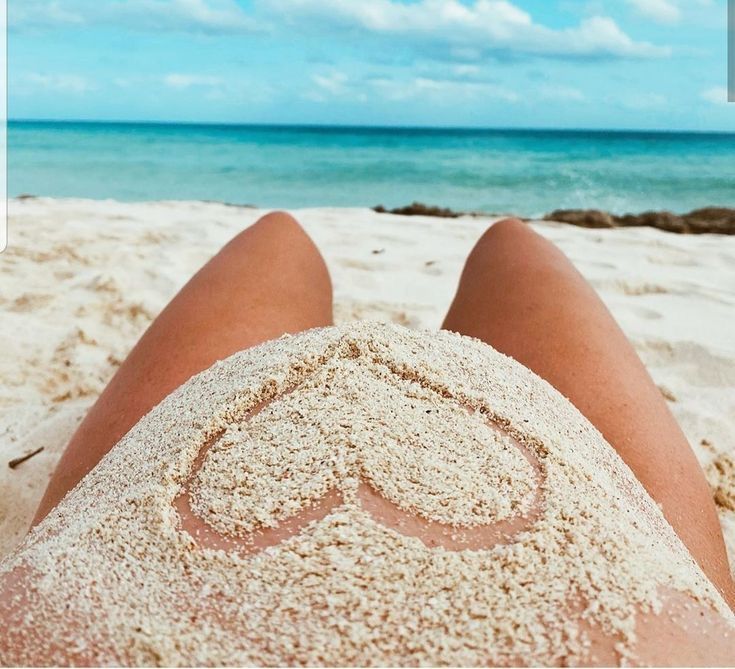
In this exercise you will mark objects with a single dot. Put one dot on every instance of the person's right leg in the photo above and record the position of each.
(521, 295)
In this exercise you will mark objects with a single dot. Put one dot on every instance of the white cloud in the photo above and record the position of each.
(642, 101)
(437, 90)
(182, 81)
(559, 92)
(63, 83)
(661, 11)
(463, 31)
(334, 83)
(42, 12)
(449, 29)
(441, 91)
(465, 70)
(202, 16)
(601, 36)
(717, 95)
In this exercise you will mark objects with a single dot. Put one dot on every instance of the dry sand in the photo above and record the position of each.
(82, 280)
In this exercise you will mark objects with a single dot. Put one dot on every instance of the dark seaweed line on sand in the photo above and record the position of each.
(713, 220)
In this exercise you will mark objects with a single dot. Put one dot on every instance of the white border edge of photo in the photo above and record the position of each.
(4, 124)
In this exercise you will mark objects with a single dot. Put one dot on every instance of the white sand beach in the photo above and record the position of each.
(82, 279)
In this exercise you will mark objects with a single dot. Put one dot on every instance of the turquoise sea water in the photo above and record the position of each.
(528, 172)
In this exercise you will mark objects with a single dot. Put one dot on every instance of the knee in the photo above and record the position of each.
(507, 229)
(276, 240)
(283, 241)
(516, 246)
(280, 223)
(276, 231)
(508, 234)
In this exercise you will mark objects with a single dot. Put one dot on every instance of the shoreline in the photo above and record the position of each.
(84, 278)
(711, 219)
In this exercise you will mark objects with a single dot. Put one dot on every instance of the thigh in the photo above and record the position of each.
(521, 295)
(267, 281)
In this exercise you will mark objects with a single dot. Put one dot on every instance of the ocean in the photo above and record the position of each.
(526, 172)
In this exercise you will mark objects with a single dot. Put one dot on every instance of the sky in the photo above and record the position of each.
(638, 64)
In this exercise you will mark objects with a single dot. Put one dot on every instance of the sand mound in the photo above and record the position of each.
(356, 495)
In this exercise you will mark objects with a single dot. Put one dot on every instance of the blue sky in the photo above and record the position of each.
(658, 64)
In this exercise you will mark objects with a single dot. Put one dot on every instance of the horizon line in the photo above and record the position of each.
(348, 126)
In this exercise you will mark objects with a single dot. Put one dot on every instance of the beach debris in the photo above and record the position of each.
(721, 477)
(420, 209)
(19, 461)
(716, 220)
(712, 220)
(236, 205)
(666, 392)
(706, 443)
(584, 218)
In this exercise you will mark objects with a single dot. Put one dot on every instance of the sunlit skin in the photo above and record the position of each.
(519, 294)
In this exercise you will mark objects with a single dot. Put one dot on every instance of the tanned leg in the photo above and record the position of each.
(521, 295)
(267, 281)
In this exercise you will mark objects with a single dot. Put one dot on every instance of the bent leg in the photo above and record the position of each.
(521, 295)
(267, 281)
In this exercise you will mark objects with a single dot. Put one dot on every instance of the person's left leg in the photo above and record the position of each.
(267, 281)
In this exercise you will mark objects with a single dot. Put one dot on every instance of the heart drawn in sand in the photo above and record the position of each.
(418, 463)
